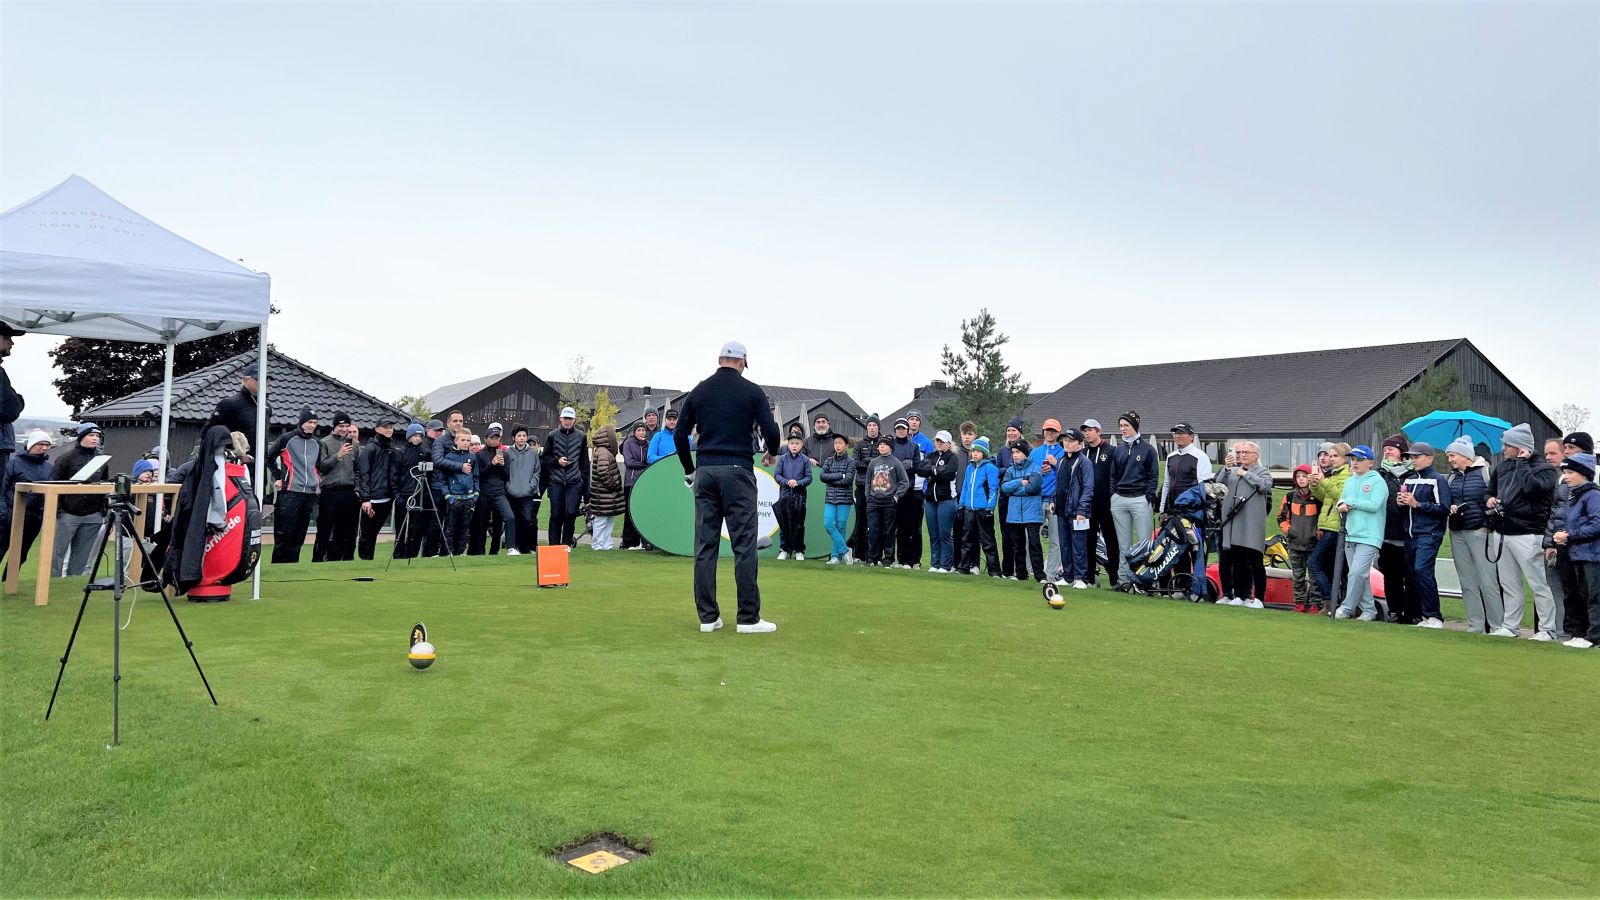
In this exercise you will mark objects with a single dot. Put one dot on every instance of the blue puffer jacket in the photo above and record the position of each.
(1074, 492)
(1468, 492)
(795, 467)
(839, 474)
(661, 446)
(456, 483)
(1024, 505)
(1583, 523)
(23, 467)
(1432, 492)
(980, 485)
(1053, 452)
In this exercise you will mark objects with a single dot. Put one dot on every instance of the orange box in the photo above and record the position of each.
(553, 562)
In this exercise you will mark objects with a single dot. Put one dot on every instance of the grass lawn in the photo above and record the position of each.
(902, 734)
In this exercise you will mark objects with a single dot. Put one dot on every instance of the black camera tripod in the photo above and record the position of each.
(118, 523)
(421, 497)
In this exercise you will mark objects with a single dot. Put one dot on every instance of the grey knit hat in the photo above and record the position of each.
(1462, 446)
(1519, 436)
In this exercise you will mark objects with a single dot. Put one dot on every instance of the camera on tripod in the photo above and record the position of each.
(122, 490)
(425, 466)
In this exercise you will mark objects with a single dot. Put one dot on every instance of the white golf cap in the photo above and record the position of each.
(569, 413)
(496, 428)
(1092, 423)
(37, 436)
(734, 350)
(942, 436)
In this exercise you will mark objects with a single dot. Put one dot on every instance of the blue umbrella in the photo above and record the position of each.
(1440, 427)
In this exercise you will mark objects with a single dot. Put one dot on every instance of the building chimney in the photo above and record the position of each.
(939, 385)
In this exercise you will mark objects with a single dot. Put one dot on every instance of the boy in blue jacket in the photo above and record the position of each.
(793, 473)
(1425, 499)
(1024, 515)
(460, 491)
(1581, 537)
(980, 489)
(1074, 506)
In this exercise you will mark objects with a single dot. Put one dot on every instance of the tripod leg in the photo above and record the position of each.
(189, 645)
(116, 631)
(445, 535)
(87, 589)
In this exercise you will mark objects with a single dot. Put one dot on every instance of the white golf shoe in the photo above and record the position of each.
(711, 626)
(762, 626)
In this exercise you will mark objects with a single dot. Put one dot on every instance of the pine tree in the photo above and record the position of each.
(1437, 388)
(986, 390)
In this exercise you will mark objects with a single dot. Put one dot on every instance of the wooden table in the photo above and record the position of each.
(52, 492)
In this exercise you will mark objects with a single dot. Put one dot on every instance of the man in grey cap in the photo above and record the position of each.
(723, 410)
(11, 402)
(238, 411)
(1520, 492)
(1425, 498)
(1100, 455)
(565, 471)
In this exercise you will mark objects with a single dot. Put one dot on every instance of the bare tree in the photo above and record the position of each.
(1570, 417)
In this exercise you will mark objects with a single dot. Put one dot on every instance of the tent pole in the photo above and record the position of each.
(165, 454)
(261, 445)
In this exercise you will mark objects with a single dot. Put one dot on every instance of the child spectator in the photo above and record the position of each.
(29, 466)
(1024, 515)
(839, 474)
(1074, 508)
(887, 483)
(793, 473)
(1364, 501)
(980, 490)
(1582, 538)
(635, 450)
(522, 489)
(939, 469)
(606, 498)
(460, 492)
(1297, 520)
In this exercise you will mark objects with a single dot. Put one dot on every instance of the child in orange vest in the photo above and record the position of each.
(1297, 519)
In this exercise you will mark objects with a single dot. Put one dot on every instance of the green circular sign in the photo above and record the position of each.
(663, 510)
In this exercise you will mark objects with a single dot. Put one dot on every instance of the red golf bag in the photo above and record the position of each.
(230, 553)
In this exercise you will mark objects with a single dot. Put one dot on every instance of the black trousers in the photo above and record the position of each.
(1586, 575)
(791, 513)
(433, 538)
(858, 535)
(977, 530)
(411, 525)
(725, 493)
(371, 525)
(1243, 573)
(1023, 547)
(1575, 611)
(489, 518)
(908, 529)
(525, 511)
(1397, 583)
(881, 524)
(1100, 527)
(291, 516)
(564, 513)
(338, 512)
(32, 524)
(458, 524)
(630, 534)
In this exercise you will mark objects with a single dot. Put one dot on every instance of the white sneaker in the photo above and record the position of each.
(1224, 601)
(1236, 601)
(1503, 631)
(833, 560)
(513, 552)
(708, 627)
(1012, 578)
(1342, 613)
(760, 627)
(799, 557)
(906, 567)
(1369, 617)
(1578, 643)
(1542, 636)
(782, 555)
(849, 557)
(1079, 585)
(568, 546)
(1430, 622)
(1253, 603)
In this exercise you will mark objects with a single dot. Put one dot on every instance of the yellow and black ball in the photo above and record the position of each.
(422, 655)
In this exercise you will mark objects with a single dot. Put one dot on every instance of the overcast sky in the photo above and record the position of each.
(444, 190)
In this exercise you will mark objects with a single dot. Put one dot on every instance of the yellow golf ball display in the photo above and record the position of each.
(422, 655)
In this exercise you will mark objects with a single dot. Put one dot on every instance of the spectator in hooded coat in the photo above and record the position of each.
(635, 452)
(606, 498)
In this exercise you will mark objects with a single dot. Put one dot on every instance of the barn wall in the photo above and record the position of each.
(1488, 392)
(518, 399)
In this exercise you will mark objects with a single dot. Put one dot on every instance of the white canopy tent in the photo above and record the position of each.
(75, 262)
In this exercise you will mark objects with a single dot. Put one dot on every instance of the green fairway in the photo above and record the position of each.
(901, 734)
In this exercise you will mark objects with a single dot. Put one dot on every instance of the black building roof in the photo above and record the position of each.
(1319, 392)
(291, 386)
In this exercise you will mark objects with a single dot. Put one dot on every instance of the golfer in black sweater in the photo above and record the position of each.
(723, 410)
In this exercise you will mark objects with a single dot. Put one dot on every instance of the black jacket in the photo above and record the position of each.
(1394, 523)
(491, 478)
(1526, 488)
(407, 458)
(910, 456)
(574, 445)
(865, 450)
(723, 408)
(11, 405)
(941, 469)
(66, 466)
(1133, 470)
(378, 470)
(1102, 458)
(237, 413)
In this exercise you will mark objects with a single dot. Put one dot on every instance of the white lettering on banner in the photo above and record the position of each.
(231, 524)
(766, 496)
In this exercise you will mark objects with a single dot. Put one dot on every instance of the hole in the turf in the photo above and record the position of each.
(603, 850)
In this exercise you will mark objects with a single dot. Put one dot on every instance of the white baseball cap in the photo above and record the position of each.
(734, 350)
(569, 413)
(496, 428)
(942, 436)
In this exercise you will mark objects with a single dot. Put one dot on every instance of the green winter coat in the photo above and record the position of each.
(1327, 491)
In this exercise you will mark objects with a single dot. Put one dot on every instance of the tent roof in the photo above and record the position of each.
(75, 262)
